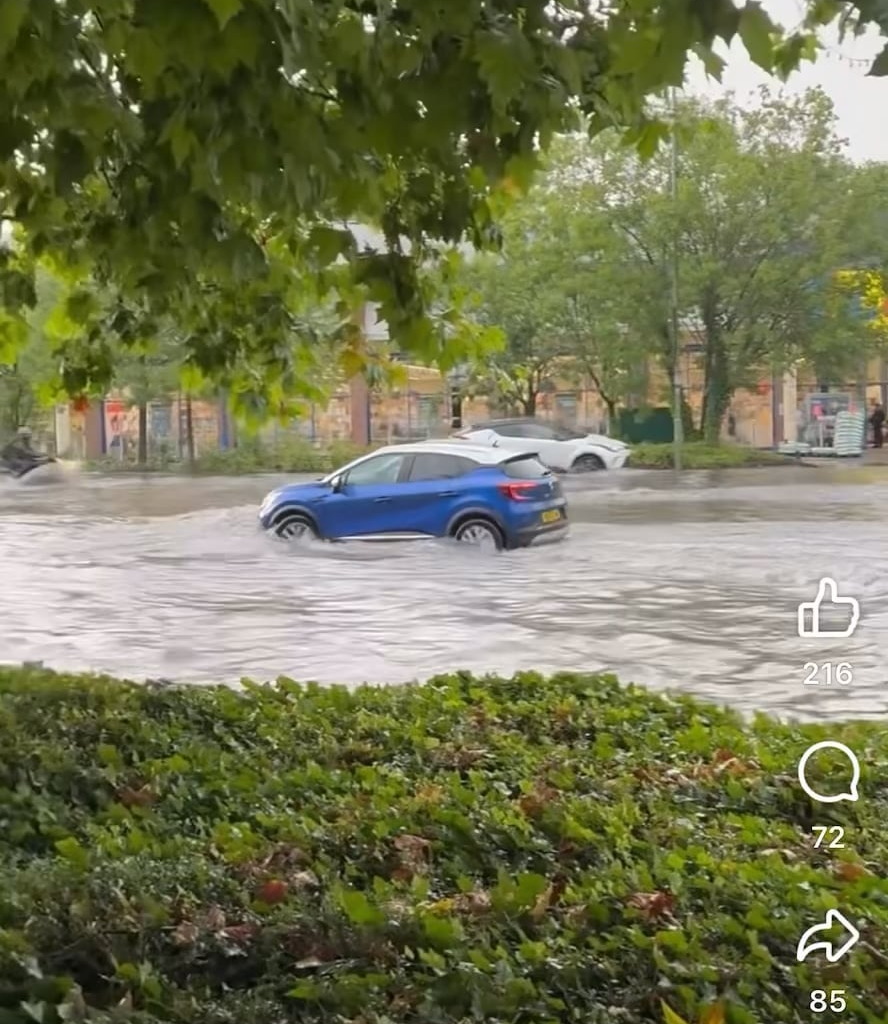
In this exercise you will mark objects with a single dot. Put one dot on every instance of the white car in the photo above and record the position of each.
(562, 449)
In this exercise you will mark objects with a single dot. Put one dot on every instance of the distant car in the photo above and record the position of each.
(563, 449)
(476, 494)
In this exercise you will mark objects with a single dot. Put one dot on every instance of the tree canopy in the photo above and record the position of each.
(203, 158)
(774, 265)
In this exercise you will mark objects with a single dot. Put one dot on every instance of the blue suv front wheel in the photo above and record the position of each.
(293, 525)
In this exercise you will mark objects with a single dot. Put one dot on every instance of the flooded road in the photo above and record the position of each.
(692, 587)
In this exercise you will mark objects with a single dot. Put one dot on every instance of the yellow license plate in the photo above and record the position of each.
(552, 516)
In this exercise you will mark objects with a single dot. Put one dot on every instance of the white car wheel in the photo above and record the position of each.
(587, 464)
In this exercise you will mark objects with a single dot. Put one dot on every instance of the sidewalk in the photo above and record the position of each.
(876, 456)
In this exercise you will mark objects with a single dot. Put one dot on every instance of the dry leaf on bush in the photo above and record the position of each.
(653, 905)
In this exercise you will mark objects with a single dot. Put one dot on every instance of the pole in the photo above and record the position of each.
(677, 426)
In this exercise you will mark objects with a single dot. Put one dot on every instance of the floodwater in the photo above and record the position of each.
(690, 585)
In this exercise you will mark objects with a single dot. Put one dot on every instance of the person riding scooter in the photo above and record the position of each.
(19, 455)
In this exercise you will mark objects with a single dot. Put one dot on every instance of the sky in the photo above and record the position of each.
(840, 70)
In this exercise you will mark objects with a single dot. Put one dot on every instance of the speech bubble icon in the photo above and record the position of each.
(851, 794)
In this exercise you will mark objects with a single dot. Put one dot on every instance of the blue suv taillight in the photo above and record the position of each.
(519, 490)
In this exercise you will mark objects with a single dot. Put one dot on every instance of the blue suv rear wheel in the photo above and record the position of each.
(481, 532)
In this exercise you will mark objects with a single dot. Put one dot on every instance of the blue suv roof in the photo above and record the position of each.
(486, 455)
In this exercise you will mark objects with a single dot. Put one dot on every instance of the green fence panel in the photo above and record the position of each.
(638, 426)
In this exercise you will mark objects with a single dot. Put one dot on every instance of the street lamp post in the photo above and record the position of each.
(677, 427)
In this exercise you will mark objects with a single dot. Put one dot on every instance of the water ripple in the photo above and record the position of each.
(693, 589)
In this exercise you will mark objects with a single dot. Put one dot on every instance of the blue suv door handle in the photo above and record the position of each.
(379, 501)
(446, 494)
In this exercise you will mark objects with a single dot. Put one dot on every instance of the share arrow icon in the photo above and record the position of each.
(833, 951)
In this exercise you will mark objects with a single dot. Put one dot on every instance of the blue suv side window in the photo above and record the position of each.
(382, 469)
(440, 467)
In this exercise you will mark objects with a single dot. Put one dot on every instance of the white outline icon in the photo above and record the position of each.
(851, 793)
(827, 583)
(833, 954)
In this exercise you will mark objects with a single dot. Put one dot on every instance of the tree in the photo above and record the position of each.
(558, 310)
(204, 156)
(150, 371)
(854, 296)
(27, 377)
(512, 292)
(755, 227)
(599, 311)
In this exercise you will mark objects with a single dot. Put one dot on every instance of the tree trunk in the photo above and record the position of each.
(189, 430)
(456, 404)
(609, 403)
(143, 434)
(717, 388)
(690, 430)
(611, 406)
(529, 401)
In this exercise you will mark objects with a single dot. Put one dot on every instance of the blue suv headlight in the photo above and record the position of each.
(267, 502)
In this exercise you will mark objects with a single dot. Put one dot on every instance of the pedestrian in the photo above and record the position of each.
(877, 422)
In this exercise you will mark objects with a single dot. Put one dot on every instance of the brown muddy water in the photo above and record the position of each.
(689, 585)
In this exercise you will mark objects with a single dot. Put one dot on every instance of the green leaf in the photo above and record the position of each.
(503, 64)
(71, 850)
(59, 326)
(180, 137)
(308, 990)
(636, 50)
(712, 62)
(757, 32)
(670, 1016)
(13, 335)
(109, 755)
(529, 888)
(12, 16)
(349, 36)
(145, 56)
(441, 931)
(224, 10)
(358, 909)
(81, 304)
(327, 244)
(653, 133)
(72, 162)
(879, 67)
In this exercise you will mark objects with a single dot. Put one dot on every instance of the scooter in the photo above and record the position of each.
(39, 467)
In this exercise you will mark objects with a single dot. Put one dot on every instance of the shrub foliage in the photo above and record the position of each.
(531, 849)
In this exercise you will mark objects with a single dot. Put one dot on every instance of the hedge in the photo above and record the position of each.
(294, 455)
(298, 455)
(544, 850)
(697, 455)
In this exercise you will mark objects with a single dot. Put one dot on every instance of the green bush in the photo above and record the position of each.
(472, 849)
(294, 455)
(299, 455)
(290, 456)
(698, 455)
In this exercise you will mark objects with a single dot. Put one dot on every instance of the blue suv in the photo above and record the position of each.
(476, 494)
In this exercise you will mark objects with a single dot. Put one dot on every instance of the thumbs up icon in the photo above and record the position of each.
(828, 598)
